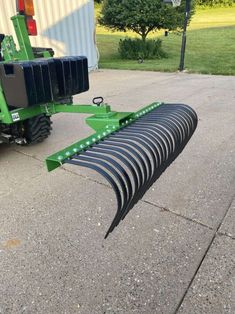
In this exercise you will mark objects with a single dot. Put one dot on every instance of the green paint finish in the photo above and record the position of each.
(71, 108)
(98, 122)
(57, 159)
(10, 53)
(5, 115)
(22, 114)
(9, 48)
(26, 51)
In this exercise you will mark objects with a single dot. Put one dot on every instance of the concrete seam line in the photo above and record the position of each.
(179, 215)
(204, 256)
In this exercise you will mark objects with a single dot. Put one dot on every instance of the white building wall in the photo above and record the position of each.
(67, 26)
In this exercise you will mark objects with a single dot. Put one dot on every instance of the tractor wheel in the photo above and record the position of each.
(38, 52)
(37, 129)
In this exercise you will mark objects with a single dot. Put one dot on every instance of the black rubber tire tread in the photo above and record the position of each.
(38, 52)
(37, 129)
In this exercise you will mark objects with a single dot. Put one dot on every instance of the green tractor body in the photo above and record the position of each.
(131, 150)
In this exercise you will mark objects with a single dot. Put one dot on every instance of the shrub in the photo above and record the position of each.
(212, 3)
(138, 49)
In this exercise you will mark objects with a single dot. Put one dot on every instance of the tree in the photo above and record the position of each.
(141, 16)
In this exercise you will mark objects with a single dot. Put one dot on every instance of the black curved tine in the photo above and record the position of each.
(165, 132)
(160, 140)
(162, 168)
(185, 115)
(185, 108)
(132, 190)
(90, 152)
(152, 169)
(115, 165)
(110, 169)
(116, 153)
(185, 125)
(143, 157)
(185, 111)
(154, 137)
(183, 118)
(192, 114)
(145, 132)
(191, 111)
(141, 132)
(165, 128)
(165, 165)
(130, 195)
(142, 141)
(128, 145)
(105, 175)
(121, 148)
(159, 119)
(138, 157)
(158, 130)
(178, 125)
(184, 121)
(117, 218)
(150, 140)
(174, 131)
(134, 198)
(150, 147)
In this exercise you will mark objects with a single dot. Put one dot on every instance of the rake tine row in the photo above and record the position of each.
(132, 158)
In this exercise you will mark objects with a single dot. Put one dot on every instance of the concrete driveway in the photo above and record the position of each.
(174, 252)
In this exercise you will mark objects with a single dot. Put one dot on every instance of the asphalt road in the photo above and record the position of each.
(174, 252)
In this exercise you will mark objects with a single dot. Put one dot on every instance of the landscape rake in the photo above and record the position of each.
(133, 157)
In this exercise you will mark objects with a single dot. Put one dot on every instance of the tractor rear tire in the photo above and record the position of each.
(38, 52)
(37, 129)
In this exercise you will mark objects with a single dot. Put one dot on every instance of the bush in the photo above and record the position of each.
(138, 49)
(212, 3)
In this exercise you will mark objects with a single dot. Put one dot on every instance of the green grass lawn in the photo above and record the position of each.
(210, 46)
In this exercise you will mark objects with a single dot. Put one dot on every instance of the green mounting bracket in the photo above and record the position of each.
(49, 109)
(117, 122)
(25, 52)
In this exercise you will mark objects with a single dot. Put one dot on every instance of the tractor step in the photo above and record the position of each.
(132, 159)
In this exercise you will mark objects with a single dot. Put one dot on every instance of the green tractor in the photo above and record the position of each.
(130, 150)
